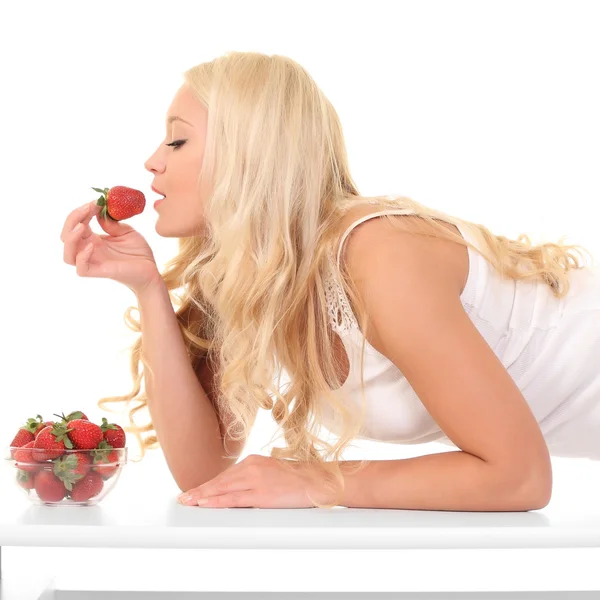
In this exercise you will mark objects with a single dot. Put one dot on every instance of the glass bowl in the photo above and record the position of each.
(65, 477)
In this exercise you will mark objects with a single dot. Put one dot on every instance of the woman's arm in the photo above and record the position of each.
(417, 320)
(453, 480)
(184, 419)
(207, 377)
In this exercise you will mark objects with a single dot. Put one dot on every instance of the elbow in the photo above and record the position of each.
(540, 498)
(187, 484)
(533, 491)
(184, 484)
(536, 502)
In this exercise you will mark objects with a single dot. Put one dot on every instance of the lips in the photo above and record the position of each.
(157, 191)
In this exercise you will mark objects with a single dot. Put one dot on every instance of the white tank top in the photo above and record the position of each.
(549, 346)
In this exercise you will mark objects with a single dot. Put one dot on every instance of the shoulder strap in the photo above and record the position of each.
(391, 211)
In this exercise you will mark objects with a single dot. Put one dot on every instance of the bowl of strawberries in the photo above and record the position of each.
(70, 461)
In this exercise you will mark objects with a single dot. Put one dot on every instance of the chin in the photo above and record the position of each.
(172, 233)
(164, 231)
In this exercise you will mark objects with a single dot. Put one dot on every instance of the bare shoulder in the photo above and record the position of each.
(450, 260)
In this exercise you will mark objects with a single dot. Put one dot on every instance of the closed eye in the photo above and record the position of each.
(176, 144)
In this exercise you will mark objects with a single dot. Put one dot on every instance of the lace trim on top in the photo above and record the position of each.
(341, 317)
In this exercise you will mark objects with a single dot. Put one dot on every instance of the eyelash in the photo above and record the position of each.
(176, 144)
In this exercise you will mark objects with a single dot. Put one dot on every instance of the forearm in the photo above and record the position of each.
(453, 481)
(183, 416)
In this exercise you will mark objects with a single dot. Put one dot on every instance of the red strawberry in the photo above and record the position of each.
(25, 479)
(89, 486)
(43, 426)
(48, 486)
(113, 433)
(52, 441)
(24, 458)
(85, 435)
(120, 202)
(22, 438)
(72, 416)
(28, 432)
(71, 467)
(105, 460)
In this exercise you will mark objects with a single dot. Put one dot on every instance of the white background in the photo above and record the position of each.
(487, 110)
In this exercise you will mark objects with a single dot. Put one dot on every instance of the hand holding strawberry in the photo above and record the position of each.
(123, 255)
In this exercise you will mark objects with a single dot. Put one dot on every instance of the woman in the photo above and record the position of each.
(410, 328)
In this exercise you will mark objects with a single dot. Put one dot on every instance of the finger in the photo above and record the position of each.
(224, 486)
(82, 214)
(82, 262)
(240, 499)
(227, 481)
(93, 210)
(248, 469)
(71, 243)
(112, 227)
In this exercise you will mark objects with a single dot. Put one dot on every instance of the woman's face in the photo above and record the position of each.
(176, 168)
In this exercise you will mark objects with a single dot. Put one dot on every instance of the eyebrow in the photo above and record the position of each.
(176, 118)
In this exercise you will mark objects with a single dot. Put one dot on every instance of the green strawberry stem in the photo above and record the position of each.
(106, 425)
(102, 452)
(64, 469)
(60, 431)
(22, 476)
(32, 424)
(103, 202)
(70, 417)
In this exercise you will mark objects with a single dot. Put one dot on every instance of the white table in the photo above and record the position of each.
(123, 521)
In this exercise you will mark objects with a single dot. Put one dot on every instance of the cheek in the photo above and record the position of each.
(194, 165)
(186, 178)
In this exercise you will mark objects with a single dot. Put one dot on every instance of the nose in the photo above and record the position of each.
(148, 165)
(154, 164)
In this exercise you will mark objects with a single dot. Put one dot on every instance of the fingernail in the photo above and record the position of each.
(77, 227)
(184, 498)
(201, 501)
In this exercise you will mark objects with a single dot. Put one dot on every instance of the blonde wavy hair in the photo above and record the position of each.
(253, 284)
